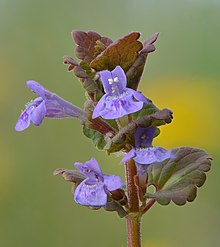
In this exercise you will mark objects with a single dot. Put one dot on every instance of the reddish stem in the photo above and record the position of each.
(134, 232)
(133, 219)
(131, 171)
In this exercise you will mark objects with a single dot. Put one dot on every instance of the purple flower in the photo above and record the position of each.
(94, 189)
(144, 153)
(118, 100)
(47, 105)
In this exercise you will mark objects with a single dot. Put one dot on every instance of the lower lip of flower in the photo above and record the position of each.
(146, 149)
(119, 96)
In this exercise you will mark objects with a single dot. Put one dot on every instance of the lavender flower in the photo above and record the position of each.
(118, 100)
(94, 189)
(144, 153)
(47, 105)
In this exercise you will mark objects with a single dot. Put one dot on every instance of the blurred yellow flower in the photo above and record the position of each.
(195, 106)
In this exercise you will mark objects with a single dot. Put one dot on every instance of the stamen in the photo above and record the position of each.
(110, 81)
(116, 79)
(114, 88)
(143, 136)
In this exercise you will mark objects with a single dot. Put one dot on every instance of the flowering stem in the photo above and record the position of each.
(134, 233)
(133, 219)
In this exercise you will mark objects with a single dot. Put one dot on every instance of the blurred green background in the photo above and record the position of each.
(37, 209)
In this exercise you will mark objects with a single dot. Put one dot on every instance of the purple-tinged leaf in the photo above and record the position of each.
(73, 176)
(177, 179)
(149, 44)
(135, 71)
(74, 67)
(88, 83)
(89, 44)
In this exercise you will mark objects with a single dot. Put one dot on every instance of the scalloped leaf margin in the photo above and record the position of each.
(177, 179)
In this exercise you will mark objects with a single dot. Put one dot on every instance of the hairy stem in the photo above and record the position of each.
(134, 232)
(133, 219)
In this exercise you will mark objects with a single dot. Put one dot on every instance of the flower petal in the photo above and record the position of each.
(90, 168)
(114, 82)
(23, 121)
(90, 194)
(128, 156)
(38, 114)
(163, 154)
(36, 88)
(93, 165)
(105, 76)
(119, 73)
(26, 116)
(99, 107)
(151, 155)
(138, 96)
(113, 182)
(119, 107)
(118, 100)
(56, 107)
(144, 137)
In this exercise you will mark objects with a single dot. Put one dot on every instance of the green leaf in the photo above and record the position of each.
(112, 206)
(122, 52)
(147, 109)
(97, 138)
(177, 179)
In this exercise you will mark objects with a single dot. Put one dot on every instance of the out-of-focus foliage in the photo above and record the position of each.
(183, 74)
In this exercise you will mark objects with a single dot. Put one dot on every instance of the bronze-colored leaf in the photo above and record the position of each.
(122, 52)
(89, 44)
